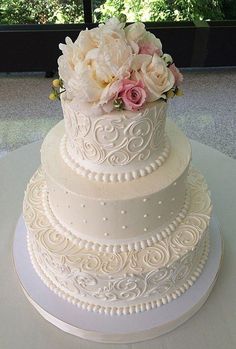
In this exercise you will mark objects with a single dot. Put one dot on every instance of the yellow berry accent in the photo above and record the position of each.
(52, 96)
(56, 83)
(170, 94)
(179, 92)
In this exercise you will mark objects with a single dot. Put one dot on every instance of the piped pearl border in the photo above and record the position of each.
(115, 248)
(128, 310)
(113, 177)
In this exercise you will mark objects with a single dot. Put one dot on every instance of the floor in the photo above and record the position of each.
(206, 112)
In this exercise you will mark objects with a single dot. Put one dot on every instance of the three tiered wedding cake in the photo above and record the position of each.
(117, 219)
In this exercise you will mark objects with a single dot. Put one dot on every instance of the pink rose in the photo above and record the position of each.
(132, 94)
(149, 49)
(177, 75)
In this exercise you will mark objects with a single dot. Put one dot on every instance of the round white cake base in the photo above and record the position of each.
(115, 329)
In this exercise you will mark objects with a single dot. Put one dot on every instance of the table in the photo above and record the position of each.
(212, 327)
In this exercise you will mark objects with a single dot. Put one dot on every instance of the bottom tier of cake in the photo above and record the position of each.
(123, 282)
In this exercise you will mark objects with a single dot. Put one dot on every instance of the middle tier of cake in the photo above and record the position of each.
(116, 216)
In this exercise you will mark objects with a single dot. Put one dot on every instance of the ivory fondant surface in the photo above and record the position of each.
(117, 146)
(123, 282)
(117, 213)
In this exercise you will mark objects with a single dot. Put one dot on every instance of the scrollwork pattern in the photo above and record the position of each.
(118, 157)
(117, 140)
(71, 123)
(156, 283)
(107, 132)
(83, 125)
(158, 133)
(155, 257)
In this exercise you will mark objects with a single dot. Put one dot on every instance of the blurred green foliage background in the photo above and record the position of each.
(71, 11)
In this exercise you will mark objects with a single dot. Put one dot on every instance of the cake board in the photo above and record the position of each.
(115, 329)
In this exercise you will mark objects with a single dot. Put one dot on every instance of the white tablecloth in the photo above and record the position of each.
(214, 326)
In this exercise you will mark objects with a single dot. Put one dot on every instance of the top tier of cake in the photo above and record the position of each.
(118, 146)
(114, 83)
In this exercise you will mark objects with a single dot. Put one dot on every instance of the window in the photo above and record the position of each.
(197, 33)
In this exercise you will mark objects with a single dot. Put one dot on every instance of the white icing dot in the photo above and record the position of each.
(159, 217)
(124, 226)
(103, 203)
(123, 212)
(145, 229)
(173, 199)
(160, 202)
(82, 205)
(84, 221)
(145, 200)
(145, 215)
(106, 234)
(172, 213)
(174, 183)
(104, 218)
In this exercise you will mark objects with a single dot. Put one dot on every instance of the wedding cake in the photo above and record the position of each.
(117, 219)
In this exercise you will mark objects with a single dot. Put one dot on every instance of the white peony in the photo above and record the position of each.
(96, 78)
(114, 25)
(75, 52)
(135, 32)
(94, 64)
(137, 36)
(151, 39)
(87, 40)
(155, 75)
(67, 61)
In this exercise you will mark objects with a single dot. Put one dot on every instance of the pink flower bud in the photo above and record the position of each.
(132, 94)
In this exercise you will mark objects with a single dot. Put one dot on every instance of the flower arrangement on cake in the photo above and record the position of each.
(115, 66)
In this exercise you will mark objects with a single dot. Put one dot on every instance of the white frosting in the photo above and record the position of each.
(124, 282)
(113, 246)
(115, 176)
(128, 215)
(117, 146)
(102, 241)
